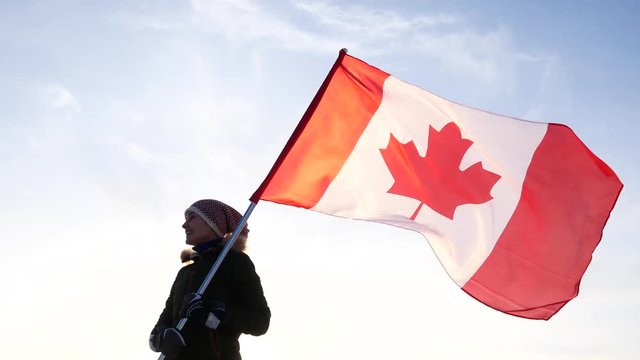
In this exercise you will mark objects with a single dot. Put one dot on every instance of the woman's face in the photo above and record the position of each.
(197, 231)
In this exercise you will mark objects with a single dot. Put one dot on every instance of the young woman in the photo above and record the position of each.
(233, 303)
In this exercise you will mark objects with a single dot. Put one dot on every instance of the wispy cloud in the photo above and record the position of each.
(60, 97)
(325, 27)
(318, 27)
(442, 41)
(141, 155)
(158, 16)
(446, 38)
(247, 21)
(487, 55)
(371, 23)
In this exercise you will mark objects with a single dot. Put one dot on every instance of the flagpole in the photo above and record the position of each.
(227, 246)
(256, 196)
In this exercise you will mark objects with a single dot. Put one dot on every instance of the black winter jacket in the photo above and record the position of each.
(237, 285)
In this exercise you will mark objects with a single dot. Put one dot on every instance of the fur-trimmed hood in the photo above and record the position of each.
(188, 255)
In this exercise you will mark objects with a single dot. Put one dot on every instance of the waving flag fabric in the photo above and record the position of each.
(513, 209)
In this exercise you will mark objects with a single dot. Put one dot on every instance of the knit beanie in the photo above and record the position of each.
(220, 217)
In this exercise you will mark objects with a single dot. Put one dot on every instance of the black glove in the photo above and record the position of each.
(168, 341)
(209, 314)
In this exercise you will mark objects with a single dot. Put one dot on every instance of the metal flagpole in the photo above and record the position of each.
(216, 265)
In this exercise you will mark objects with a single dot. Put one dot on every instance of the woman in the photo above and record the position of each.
(232, 304)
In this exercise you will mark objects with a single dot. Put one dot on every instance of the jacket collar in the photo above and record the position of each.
(201, 248)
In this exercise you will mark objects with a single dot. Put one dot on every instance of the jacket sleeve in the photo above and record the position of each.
(247, 312)
(166, 318)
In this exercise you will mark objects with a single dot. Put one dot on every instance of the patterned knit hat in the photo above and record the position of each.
(220, 217)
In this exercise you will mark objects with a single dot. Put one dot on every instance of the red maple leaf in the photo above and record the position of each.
(436, 179)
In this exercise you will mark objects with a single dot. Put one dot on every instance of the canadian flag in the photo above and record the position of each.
(513, 209)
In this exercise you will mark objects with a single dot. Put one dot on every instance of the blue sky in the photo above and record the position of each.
(114, 117)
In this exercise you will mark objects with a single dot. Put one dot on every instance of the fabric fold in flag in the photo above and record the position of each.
(513, 209)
